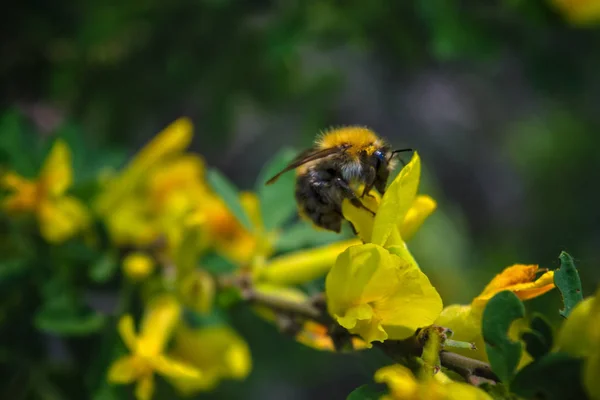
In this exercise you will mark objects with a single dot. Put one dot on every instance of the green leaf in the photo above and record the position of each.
(197, 320)
(566, 279)
(12, 268)
(229, 194)
(217, 264)
(503, 354)
(535, 344)
(277, 202)
(104, 268)
(63, 312)
(55, 322)
(369, 391)
(303, 234)
(554, 377)
(538, 341)
(543, 327)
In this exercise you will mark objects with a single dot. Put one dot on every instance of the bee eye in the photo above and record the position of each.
(379, 154)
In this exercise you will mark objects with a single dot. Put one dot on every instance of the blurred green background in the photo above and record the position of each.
(500, 99)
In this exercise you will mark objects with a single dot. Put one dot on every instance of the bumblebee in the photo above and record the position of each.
(340, 161)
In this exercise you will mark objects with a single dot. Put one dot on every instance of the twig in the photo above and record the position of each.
(474, 371)
(279, 304)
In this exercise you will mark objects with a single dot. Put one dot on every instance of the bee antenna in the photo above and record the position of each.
(398, 151)
(401, 151)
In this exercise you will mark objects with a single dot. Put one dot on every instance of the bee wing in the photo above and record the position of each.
(306, 156)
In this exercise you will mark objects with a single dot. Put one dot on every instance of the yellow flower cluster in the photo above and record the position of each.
(59, 215)
(162, 214)
(198, 361)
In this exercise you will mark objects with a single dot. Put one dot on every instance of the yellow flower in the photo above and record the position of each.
(218, 352)
(227, 235)
(59, 216)
(465, 320)
(404, 386)
(399, 213)
(579, 336)
(171, 141)
(138, 265)
(380, 293)
(147, 349)
(154, 196)
(579, 12)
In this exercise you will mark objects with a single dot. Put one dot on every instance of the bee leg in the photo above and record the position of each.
(358, 204)
(349, 193)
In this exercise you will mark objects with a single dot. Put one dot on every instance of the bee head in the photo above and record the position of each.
(382, 160)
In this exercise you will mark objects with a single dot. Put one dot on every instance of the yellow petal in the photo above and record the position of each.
(174, 369)
(466, 325)
(303, 266)
(354, 314)
(57, 172)
(361, 274)
(123, 371)
(421, 208)
(573, 336)
(24, 196)
(396, 201)
(400, 380)
(62, 218)
(13, 181)
(160, 318)
(361, 219)
(251, 205)
(127, 332)
(460, 391)
(174, 138)
(519, 279)
(145, 388)
(414, 294)
(591, 372)
(580, 12)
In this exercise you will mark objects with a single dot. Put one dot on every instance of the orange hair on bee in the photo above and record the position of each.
(358, 137)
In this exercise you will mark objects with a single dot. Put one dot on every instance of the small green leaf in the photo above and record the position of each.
(566, 279)
(504, 354)
(535, 344)
(229, 194)
(556, 376)
(217, 264)
(369, 391)
(104, 268)
(63, 312)
(197, 320)
(277, 202)
(543, 327)
(538, 341)
(69, 325)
